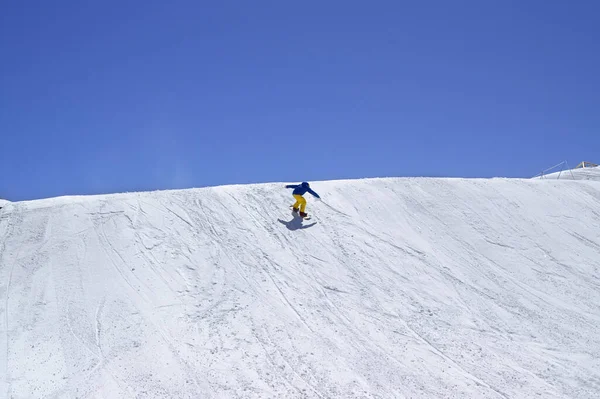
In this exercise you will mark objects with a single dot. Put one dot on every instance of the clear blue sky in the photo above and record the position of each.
(111, 96)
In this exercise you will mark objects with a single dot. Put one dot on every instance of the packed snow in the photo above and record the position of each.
(397, 288)
(574, 174)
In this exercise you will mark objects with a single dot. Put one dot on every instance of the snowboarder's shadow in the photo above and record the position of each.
(296, 223)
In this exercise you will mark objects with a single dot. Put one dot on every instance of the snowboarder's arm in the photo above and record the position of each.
(291, 186)
(313, 193)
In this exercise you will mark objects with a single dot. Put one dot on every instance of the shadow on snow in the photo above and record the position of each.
(296, 223)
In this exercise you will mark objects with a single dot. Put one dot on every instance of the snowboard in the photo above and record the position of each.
(297, 214)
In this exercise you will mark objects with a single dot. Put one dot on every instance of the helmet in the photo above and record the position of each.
(305, 184)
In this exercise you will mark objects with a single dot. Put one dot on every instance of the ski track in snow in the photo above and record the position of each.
(403, 288)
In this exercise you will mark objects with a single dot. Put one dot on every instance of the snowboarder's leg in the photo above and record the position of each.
(300, 203)
(300, 200)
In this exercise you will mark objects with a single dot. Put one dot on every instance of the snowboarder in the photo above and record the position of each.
(299, 191)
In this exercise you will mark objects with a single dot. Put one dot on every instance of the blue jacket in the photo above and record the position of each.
(301, 189)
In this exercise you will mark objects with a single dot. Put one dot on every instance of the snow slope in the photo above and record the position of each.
(416, 288)
(575, 174)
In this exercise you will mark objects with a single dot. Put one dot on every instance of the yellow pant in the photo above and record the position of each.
(300, 202)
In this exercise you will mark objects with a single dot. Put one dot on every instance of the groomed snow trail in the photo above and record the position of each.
(397, 288)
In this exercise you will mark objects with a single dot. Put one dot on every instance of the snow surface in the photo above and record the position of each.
(575, 174)
(416, 288)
